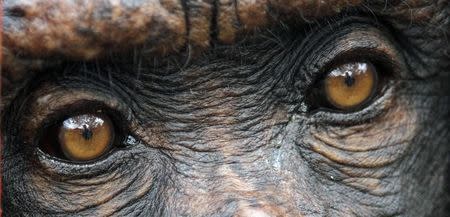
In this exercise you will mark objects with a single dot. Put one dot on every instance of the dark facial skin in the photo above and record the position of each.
(221, 120)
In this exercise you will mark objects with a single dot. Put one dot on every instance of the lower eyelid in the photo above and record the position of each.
(52, 166)
(375, 109)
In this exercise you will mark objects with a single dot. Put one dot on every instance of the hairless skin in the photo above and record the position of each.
(217, 107)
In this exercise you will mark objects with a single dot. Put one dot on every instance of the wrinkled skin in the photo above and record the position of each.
(222, 120)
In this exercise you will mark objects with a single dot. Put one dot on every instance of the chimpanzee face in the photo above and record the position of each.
(342, 114)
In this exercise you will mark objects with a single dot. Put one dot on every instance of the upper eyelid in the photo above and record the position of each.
(355, 42)
(49, 104)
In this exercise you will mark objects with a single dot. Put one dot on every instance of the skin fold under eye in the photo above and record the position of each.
(80, 138)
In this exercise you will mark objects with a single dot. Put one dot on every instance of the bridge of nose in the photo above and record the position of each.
(236, 190)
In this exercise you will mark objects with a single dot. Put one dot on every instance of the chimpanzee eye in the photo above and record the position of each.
(79, 138)
(347, 87)
(350, 85)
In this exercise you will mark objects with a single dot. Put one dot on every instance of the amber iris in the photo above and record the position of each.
(85, 137)
(350, 85)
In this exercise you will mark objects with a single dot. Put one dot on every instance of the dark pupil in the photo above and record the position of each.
(87, 133)
(349, 80)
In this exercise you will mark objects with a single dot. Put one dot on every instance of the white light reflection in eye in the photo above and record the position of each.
(83, 121)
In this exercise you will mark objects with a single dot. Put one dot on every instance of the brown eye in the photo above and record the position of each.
(350, 85)
(80, 138)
